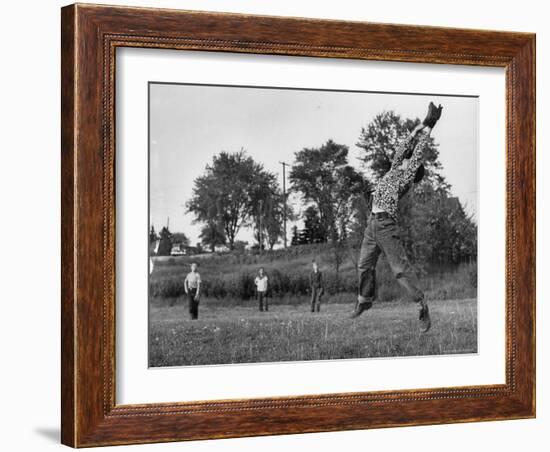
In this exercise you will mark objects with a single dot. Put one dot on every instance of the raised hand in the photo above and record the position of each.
(434, 113)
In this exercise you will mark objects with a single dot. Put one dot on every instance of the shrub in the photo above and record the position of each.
(168, 288)
(231, 276)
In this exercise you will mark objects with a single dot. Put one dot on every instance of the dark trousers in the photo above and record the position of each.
(382, 235)
(193, 303)
(316, 294)
(262, 299)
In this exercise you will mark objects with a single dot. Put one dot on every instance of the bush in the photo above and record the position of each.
(472, 274)
(168, 288)
(232, 276)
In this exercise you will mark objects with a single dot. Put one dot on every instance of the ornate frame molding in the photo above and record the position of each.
(90, 37)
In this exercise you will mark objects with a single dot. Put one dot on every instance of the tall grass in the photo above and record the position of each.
(231, 276)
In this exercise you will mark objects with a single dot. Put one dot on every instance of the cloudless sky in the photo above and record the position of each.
(189, 124)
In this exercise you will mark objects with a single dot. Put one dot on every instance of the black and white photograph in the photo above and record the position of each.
(291, 224)
(275, 226)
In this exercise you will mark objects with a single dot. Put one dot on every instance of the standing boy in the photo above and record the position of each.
(192, 286)
(316, 286)
(261, 282)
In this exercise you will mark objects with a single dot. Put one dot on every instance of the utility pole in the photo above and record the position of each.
(284, 201)
(260, 238)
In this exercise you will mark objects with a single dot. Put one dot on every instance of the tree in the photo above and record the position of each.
(303, 237)
(441, 232)
(165, 245)
(153, 237)
(240, 246)
(313, 229)
(323, 177)
(181, 238)
(228, 192)
(265, 209)
(212, 235)
(295, 236)
(270, 210)
(198, 248)
(273, 219)
(380, 138)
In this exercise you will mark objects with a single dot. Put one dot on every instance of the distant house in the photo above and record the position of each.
(221, 248)
(179, 249)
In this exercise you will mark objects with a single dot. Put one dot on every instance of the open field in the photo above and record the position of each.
(238, 333)
(230, 328)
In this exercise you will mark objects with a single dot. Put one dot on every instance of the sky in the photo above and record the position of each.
(189, 124)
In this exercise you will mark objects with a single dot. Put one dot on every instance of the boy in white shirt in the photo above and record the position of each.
(261, 282)
(192, 286)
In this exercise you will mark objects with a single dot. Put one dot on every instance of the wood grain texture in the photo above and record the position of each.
(90, 36)
(67, 225)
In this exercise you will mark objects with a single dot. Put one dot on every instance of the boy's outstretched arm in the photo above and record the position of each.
(404, 144)
(418, 154)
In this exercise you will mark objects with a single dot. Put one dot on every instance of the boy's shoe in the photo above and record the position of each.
(360, 308)
(424, 317)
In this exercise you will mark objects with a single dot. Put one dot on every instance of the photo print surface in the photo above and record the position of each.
(297, 225)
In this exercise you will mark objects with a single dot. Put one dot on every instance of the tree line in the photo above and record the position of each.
(235, 192)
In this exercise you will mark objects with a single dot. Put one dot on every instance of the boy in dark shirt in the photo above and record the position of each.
(316, 286)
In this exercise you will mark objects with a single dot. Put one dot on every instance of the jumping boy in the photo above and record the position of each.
(261, 282)
(382, 232)
(192, 287)
(316, 287)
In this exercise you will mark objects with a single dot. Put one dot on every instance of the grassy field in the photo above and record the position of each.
(230, 329)
(238, 333)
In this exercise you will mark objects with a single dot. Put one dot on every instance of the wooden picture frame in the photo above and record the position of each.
(90, 35)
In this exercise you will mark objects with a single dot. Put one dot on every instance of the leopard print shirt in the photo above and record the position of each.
(396, 182)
